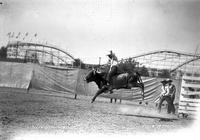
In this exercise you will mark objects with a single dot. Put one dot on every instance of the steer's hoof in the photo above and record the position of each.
(111, 91)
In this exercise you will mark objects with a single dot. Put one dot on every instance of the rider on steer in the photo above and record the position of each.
(113, 61)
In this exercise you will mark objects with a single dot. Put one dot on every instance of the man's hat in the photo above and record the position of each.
(163, 81)
(169, 80)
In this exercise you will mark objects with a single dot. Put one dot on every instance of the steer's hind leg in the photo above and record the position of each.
(141, 86)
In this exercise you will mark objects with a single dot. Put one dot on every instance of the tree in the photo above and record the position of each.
(143, 71)
(3, 52)
(164, 73)
(128, 65)
(79, 63)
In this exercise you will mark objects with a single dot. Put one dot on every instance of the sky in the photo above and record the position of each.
(89, 29)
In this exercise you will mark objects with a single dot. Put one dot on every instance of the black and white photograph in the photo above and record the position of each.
(99, 69)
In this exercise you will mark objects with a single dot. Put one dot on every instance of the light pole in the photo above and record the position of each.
(99, 61)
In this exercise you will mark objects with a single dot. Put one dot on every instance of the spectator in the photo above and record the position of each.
(172, 92)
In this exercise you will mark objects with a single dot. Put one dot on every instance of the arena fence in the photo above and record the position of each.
(66, 80)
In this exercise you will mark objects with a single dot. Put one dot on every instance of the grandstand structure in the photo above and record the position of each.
(40, 53)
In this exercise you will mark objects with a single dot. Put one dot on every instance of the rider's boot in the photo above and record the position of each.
(110, 89)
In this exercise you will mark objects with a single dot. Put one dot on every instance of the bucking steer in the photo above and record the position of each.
(124, 80)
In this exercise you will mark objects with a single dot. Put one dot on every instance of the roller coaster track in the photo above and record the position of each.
(187, 62)
(169, 59)
(19, 43)
(164, 51)
(173, 60)
(42, 51)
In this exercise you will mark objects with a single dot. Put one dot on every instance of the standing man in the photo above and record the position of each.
(166, 95)
(172, 92)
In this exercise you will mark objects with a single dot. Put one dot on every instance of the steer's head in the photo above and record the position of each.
(91, 76)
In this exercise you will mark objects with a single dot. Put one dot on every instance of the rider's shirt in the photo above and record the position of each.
(112, 63)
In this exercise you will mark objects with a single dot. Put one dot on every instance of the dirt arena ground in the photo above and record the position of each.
(28, 113)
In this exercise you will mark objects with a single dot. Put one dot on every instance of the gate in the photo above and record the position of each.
(189, 103)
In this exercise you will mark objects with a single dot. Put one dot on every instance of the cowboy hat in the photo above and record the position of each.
(163, 81)
(169, 80)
